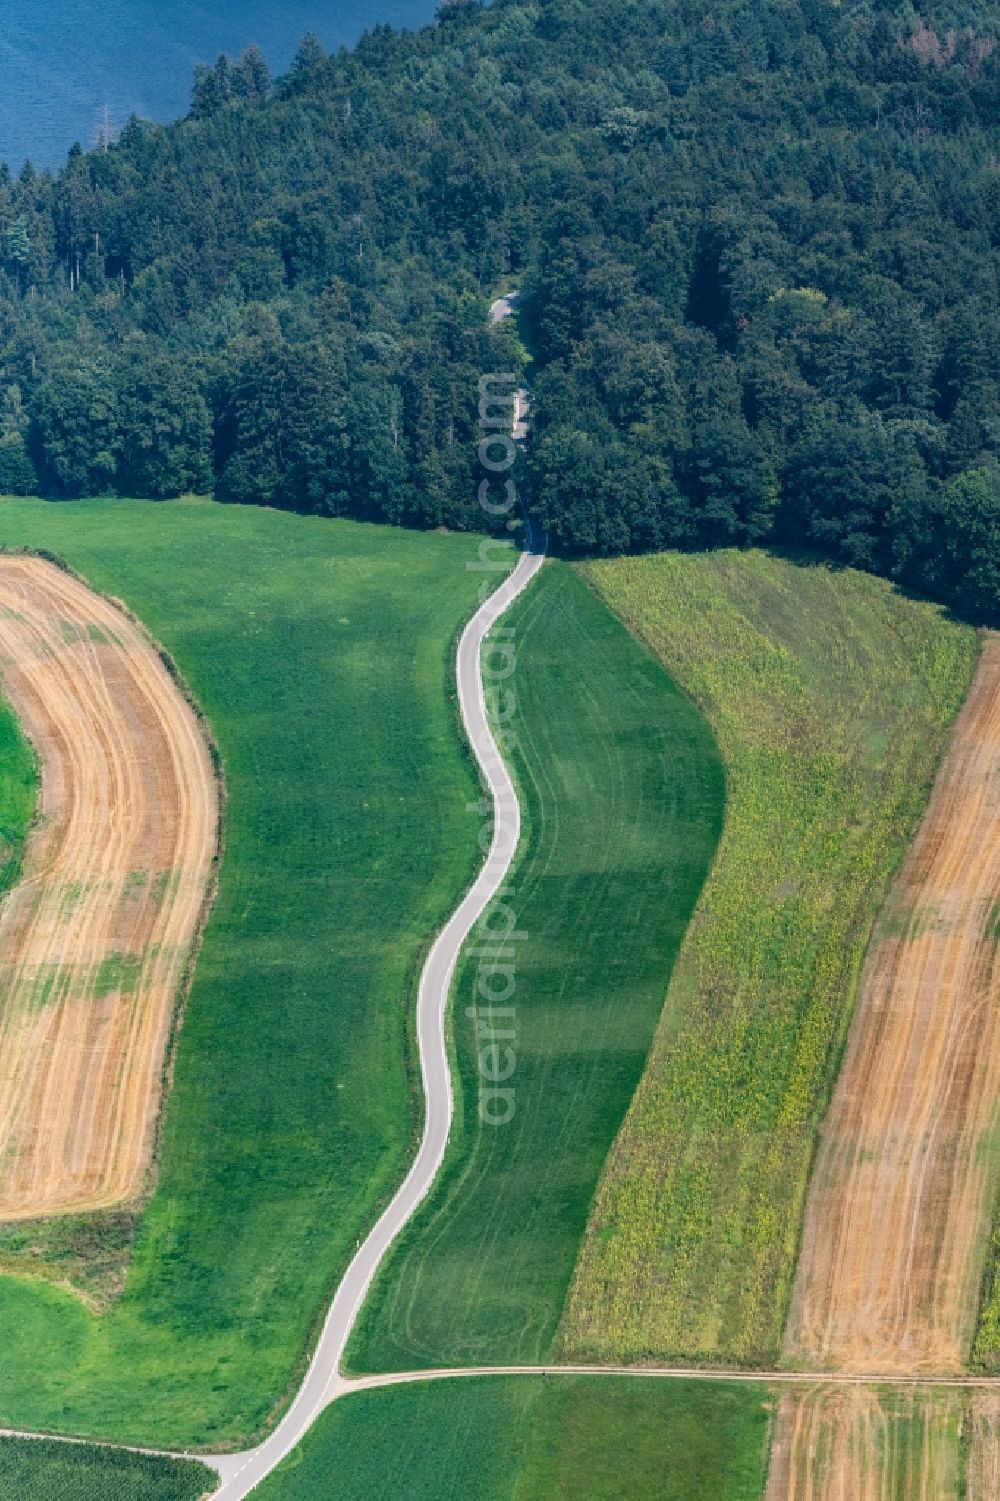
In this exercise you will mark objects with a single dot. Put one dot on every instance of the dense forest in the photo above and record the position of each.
(758, 243)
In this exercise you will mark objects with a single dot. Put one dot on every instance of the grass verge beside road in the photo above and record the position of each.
(831, 696)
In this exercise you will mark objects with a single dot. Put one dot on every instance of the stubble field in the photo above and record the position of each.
(903, 1195)
(97, 935)
(901, 1200)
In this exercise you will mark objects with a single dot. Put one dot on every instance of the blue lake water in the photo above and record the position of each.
(62, 62)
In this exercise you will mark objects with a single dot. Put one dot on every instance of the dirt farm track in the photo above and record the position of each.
(95, 939)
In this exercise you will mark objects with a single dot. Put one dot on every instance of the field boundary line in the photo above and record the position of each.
(347, 1386)
(137, 1201)
(119, 736)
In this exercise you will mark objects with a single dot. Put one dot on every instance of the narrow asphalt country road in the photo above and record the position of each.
(504, 308)
(241, 1473)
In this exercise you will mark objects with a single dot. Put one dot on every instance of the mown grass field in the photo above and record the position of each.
(830, 696)
(522, 1438)
(322, 655)
(623, 794)
(38, 1470)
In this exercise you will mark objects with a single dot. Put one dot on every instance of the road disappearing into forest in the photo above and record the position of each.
(504, 307)
(241, 1473)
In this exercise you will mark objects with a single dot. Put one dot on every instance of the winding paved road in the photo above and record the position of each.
(323, 1382)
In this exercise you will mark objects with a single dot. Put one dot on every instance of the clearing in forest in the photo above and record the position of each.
(96, 937)
(906, 1178)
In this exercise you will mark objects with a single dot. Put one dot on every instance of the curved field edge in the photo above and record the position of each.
(89, 1252)
(18, 809)
(831, 696)
(99, 938)
(49, 1471)
(621, 791)
(522, 1438)
(321, 653)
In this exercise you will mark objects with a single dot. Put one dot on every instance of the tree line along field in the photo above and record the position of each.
(830, 696)
(45, 1471)
(521, 1438)
(322, 656)
(622, 792)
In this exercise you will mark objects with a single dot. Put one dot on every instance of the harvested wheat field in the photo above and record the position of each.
(95, 940)
(900, 1206)
(906, 1177)
(982, 1478)
(862, 1444)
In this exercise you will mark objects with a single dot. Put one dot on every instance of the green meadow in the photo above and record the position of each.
(622, 791)
(322, 654)
(525, 1438)
(830, 695)
(18, 790)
